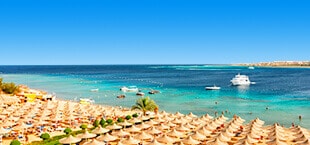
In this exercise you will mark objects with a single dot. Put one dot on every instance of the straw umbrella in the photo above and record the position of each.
(133, 129)
(152, 122)
(114, 127)
(121, 133)
(144, 126)
(143, 136)
(125, 123)
(176, 134)
(155, 142)
(178, 114)
(166, 139)
(183, 128)
(190, 141)
(163, 127)
(131, 141)
(216, 142)
(192, 115)
(205, 131)
(70, 140)
(154, 131)
(107, 137)
(94, 142)
(198, 136)
(86, 135)
(135, 120)
(100, 130)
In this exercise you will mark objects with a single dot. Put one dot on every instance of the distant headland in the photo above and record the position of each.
(278, 64)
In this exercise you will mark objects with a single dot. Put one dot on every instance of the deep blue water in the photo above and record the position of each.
(285, 91)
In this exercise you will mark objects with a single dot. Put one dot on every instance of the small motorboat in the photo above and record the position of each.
(213, 88)
(94, 90)
(153, 92)
(121, 96)
(140, 94)
(129, 89)
(251, 67)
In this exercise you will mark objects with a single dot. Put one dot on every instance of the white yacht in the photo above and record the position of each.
(213, 88)
(251, 67)
(129, 89)
(240, 80)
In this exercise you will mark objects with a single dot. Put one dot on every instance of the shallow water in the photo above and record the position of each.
(285, 91)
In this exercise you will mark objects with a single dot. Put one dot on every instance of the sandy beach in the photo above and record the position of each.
(31, 119)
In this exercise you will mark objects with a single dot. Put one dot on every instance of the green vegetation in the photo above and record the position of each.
(128, 117)
(83, 127)
(135, 115)
(45, 136)
(8, 88)
(145, 104)
(67, 131)
(120, 120)
(15, 142)
(110, 121)
(102, 122)
(96, 123)
(55, 140)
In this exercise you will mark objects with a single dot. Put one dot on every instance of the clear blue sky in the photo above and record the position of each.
(153, 31)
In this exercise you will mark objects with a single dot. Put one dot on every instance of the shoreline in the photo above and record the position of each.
(221, 122)
(271, 66)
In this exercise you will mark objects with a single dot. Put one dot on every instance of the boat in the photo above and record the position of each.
(86, 101)
(240, 80)
(153, 92)
(213, 88)
(121, 96)
(251, 67)
(94, 90)
(129, 89)
(140, 94)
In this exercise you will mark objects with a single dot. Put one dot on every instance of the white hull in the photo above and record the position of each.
(94, 90)
(239, 80)
(213, 88)
(240, 83)
(125, 89)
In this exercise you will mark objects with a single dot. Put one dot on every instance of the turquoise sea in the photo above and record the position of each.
(284, 91)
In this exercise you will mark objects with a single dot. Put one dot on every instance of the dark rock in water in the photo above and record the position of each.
(121, 96)
(153, 92)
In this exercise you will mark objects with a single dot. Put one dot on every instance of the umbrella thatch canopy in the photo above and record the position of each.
(155, 142)
(166, 139)
(143, 136)
(198, 136)
(94, 142)
(131, 141)
(133, 129)
(69, 140)
(190, 141)
(125, 123)
(144, 126)
(114, 127)
(107, 137)
(100, 130)
(154, 131)
(175, 133)
(86, 135)
(121, 133)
